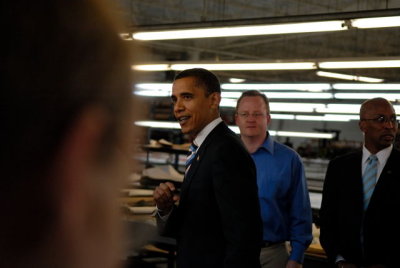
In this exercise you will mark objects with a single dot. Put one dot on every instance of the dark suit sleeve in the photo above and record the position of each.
(235, 187)
(328, 212)
(168, 227)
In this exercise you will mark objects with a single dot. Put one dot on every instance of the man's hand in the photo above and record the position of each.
(343, 264)
(164, 195)
(293, 264)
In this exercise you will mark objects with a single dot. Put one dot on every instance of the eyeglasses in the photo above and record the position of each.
(382, 119)
(255, 115)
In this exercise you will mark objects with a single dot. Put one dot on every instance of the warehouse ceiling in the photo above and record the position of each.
(355, 43)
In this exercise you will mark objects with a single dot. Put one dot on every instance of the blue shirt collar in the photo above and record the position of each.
(268, 144)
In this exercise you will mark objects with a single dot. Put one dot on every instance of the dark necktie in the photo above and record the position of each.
(191, 155)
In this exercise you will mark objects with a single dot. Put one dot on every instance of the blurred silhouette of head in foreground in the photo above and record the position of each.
(65, 113)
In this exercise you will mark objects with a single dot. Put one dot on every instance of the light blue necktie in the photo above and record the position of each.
(369, 178)
(191, 155)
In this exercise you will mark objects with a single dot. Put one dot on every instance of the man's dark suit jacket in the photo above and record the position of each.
(217, 222)
(343, 221)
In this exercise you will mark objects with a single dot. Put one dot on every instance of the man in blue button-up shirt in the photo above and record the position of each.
(282, 188)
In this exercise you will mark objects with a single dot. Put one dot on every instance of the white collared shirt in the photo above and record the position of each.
(205, 131)
(382, 156)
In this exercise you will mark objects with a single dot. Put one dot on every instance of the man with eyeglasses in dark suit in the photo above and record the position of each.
(356, 216)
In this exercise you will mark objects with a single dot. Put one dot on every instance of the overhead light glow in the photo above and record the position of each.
(275, 65)
(359, 64)
(339, 108)
(246, 66)
(315, 135)
(353, 109)
(356, 86)
(154, 86)
(349, 77)
(173, 125)
(378, 22)
(305, 134)
(228, 102)
(151, 67)
(126, 36)
(365, 96)
(158, 124)
(236, 80)
(283, 116)
(298, 95)
(327, 117)
(294, 107)
(152, 93)
(282, 95)
(314, 87)
(286, 28)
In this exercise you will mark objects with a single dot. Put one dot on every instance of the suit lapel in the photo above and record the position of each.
(355, 174)
(198, 159)
(386, 175)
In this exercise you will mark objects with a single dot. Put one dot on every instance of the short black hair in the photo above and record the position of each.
(253, 93)
(203, 77)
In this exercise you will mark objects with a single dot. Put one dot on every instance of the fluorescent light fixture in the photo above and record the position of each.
(297, 95)
(349, 77)
(236, 80)
(152, 93)
(151, 67)
(327, 117)
(314, 87)
(153, 89)
(228, 31)
(315, 135)
(356, 86)
(158, 124)
(378, 22)
(246, 66)
(347, 108)
(126, 36)
(359, 64)
(294, 107)
(228, 102)
(283, 95)
(229, 98)
(227, 66)
(154, 86)
(275, 65)
(365, 96)
(173, 125)
(282, 116)
(339, 108)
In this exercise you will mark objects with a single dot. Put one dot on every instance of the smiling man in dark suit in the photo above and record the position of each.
(217, 222)
(357, 226)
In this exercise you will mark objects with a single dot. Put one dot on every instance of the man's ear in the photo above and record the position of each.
(268, 118)
(215, 98)
(361, 125)
(75, 165)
